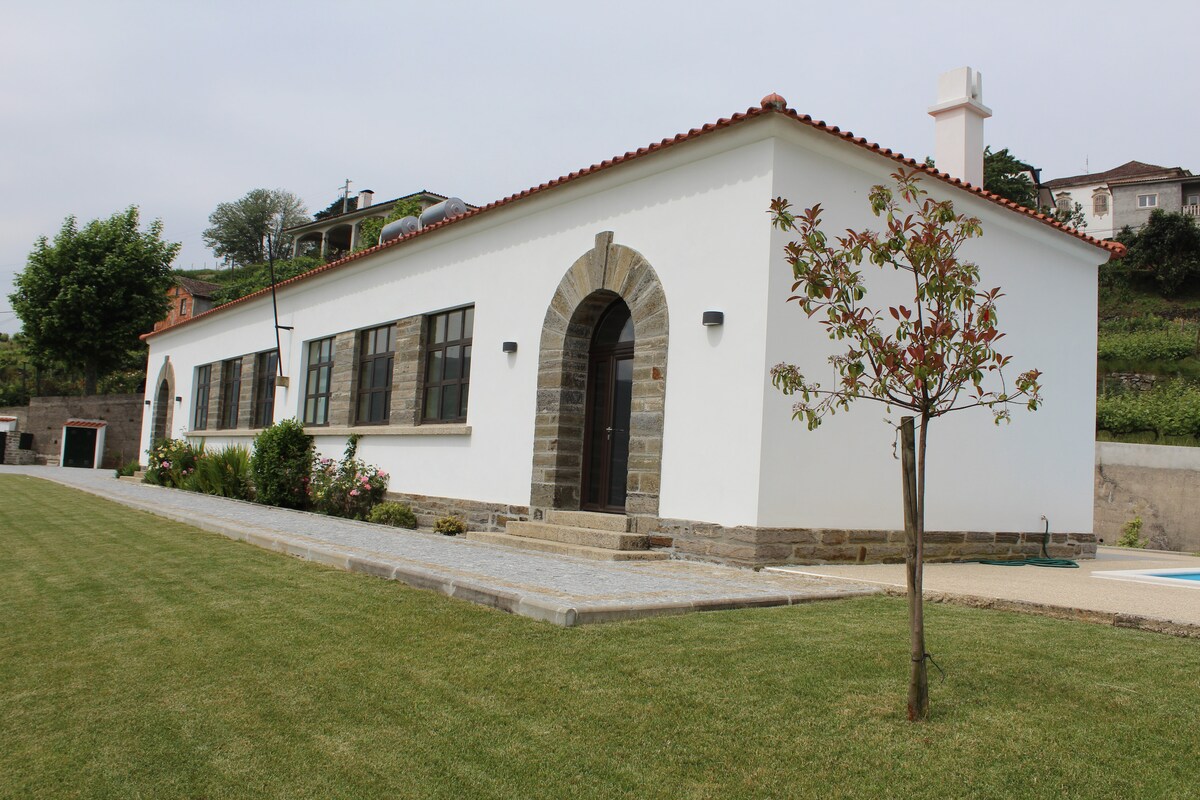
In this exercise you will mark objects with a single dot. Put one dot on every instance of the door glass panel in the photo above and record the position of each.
(454, 329)
(433, 373)
(594, 491)
(433, 398)
(622, 399)
(468, 322)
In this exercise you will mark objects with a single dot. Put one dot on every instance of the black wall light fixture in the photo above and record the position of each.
(712, 318)
(178, 399)
(509, 347)
(147, 402)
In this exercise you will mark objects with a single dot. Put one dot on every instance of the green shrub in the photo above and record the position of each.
(450, 526)
(348, 488)
(171, 461)
(398, 515)
(128, 470)
(225, 473)
(1131, 534)
(1147, 345)
(1170, 409)
(281, 464)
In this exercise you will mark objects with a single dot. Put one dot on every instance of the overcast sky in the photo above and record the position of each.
(176, 107)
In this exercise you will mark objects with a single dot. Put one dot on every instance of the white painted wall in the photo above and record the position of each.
(695, 212)
(698, 214)
(1099, 226)
(981, 477)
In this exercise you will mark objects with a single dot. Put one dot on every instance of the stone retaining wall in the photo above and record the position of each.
(753, 547)
(1158, 484)
(480, 516)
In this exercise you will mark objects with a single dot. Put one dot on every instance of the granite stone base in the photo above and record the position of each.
(757, 547)
(480, 515)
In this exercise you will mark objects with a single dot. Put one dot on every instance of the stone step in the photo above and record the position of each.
(565, 549)
(589, 519)
(587, 537)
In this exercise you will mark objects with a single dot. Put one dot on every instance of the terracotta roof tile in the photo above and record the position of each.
(1127, 171)
(775, 107)
(85, 423)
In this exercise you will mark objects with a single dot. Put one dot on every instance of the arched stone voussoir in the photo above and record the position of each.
(594, 281)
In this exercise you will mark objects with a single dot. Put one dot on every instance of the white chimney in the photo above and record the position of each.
(365, 198)
(958, 124)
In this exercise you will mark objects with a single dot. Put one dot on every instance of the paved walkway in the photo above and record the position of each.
(1087, 593)
(565, 591)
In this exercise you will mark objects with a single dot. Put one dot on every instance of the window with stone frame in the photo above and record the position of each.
(203, 388)
(375, 361)
(318, 378)
(1100, 203)
(1062, 202)
(231, 390)
(448, 339)
(266, 365)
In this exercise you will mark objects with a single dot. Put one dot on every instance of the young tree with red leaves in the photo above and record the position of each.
(930, 359)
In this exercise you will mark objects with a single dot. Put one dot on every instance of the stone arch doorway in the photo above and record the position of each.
(591, 287)
(163, 408)
(162, 405)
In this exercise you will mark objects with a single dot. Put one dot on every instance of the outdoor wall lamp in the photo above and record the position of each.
(147, 402)
(178, 399)
(712, 318)
(509, 347)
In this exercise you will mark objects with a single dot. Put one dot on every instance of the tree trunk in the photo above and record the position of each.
(914, 554)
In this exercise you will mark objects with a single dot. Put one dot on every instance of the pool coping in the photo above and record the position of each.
(1159, 576)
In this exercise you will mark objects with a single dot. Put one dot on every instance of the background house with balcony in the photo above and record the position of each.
(340, 234)
(1125, 195)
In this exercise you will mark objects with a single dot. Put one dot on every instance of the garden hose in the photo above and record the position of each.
(1044, 561)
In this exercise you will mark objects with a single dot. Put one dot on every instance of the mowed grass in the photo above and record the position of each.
(144, 658)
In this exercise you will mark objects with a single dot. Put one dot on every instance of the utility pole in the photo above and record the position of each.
(345, 196)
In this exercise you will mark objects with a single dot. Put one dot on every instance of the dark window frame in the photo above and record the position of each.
(266, 366)
(375, 360)
(231, 390)
(200, 397)
(437, 357)
(312, 380)
(183, 305)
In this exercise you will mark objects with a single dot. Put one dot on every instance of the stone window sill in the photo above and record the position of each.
(361, 430)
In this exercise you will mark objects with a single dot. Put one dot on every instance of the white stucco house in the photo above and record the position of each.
(557, 351)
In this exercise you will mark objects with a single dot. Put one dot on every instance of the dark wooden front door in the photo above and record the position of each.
(79, 450)
(609, 401)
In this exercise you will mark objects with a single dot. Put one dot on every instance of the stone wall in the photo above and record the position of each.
(44, 418)
(1158, 483)
(13, 454)
(752, 547)
(480, 516)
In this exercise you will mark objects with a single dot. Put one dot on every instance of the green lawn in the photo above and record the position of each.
(143, 658)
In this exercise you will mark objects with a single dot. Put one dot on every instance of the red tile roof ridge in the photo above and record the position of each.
(1115, 249)
(85, 423)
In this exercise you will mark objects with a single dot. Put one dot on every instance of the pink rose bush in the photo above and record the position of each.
(348, 488)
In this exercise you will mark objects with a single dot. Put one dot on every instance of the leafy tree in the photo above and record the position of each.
(335, 208)
(85, 299)
(368, 235)
(1006, 175)
(930, 359)
(249, 230)
(1167, 247)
